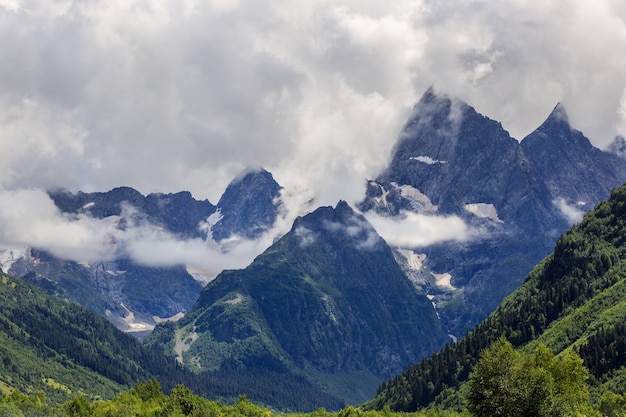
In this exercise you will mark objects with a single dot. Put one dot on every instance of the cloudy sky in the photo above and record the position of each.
(171, 95)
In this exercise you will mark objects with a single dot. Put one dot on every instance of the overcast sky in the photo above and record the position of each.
(171, 95)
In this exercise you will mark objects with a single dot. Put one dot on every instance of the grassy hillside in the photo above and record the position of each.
(573, 300)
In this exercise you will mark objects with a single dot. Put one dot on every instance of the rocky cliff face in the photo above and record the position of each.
(449, 159)
(454, 157)
(248, 207)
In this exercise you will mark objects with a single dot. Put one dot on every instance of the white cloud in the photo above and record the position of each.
(182, 95)
(413, 230)
(30, 218)
(37, 142)
(358, 229)
(149, 246)
(305, 236)
(572, 213)
(621, 112)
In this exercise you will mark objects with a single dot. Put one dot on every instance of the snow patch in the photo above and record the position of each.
(443, 280)
(215, 217)
(88, 205)
(414, 260)
(484, 211)
(133, 325)
(383, 198)
(210, 221)
(417, 196)
(427, 160)
(9, 256)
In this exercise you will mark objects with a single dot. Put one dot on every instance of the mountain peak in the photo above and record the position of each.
(557, 130)
(342, 205)
(430, 95)
(248, 185)
(558, 115)
(432, 99)
(340, 224)
(249, 205)
(447, 138)
(574, 170)
(248, 173)
(330, 295)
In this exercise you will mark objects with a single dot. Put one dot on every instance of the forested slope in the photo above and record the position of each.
(63, 349)
(58, 347)
(575, 299)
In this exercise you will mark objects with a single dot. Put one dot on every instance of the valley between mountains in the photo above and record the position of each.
(336, 308)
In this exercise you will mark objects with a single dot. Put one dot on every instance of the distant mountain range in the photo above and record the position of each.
(331, 308)
(132, 296)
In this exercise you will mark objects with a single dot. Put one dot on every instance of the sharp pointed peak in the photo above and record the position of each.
(558, 114)
(434, 99)
(433, 94)
(430, 92)
(342, 204)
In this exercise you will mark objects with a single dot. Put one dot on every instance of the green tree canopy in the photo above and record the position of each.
(507, 383)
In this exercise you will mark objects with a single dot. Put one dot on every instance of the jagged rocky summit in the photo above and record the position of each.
(517, 197)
